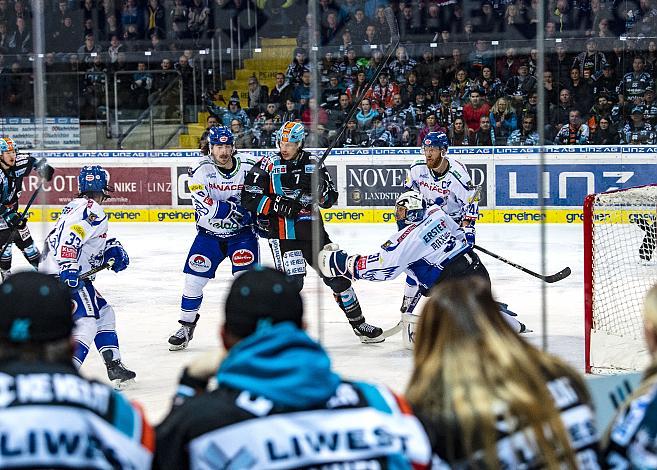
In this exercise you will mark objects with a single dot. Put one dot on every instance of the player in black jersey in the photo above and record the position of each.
(13, 228)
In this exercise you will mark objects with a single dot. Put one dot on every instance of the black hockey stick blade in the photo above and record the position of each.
(563, 274)
(97, 269)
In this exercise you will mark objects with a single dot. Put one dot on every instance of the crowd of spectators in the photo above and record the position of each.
(459, 60)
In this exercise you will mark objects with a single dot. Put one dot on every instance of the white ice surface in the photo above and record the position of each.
(146, 298)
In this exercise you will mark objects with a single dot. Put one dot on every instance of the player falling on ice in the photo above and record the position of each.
(224, 227)
(429, 248)
(279, 190)
(13, 228)
(77, 244)
(445, 182)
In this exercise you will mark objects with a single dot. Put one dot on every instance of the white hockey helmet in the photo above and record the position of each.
(410, 208)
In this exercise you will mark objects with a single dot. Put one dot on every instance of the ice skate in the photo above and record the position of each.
(524, 329)
(181, 338)
(120, 376)
(368, 333)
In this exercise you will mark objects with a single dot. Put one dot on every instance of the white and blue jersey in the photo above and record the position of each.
(421, 250)
(210, 186)
(219, 237)
(453, 191)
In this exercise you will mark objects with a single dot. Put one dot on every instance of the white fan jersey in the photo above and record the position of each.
(420, 250)
(210, 186)
(452, 191)
(78, 237)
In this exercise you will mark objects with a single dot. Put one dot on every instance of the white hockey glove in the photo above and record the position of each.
(333, 262)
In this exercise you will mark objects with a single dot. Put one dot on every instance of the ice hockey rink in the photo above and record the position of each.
(146, 298)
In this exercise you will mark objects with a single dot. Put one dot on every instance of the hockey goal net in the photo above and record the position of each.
(620, 265)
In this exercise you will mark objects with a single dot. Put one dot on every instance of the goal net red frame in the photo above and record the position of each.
(620, 265)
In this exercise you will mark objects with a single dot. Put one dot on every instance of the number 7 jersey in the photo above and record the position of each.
(78, 237)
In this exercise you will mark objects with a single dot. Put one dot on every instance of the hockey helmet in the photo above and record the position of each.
(93, 179)
(291, 132)
(436, 139)
(220, 135)
(3, 146)
(410, 208)
(11, 145)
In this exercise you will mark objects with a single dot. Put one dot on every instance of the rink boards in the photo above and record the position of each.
(152, 186)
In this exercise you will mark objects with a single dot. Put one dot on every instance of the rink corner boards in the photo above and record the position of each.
(339, 216)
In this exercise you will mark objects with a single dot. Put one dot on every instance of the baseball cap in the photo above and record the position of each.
(637, 109)
(262, 294)
(36, 308)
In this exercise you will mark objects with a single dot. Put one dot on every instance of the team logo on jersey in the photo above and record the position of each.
(199, 263)
(243, 257)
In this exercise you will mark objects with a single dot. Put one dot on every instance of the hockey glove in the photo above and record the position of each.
(229, 210)
(114, 250)
(285, 206)
(44, 170)
(69, 274)
(14, 220)
(328, 197)
(334, 263)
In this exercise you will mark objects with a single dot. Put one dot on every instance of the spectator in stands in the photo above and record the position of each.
(291, 112)
(89, 47)
(401, 66)
(244, 138)
(580, 91)
(410, 89)
(331, 30)
(178, 19)
(559, 114)
(270, 112)
(473, 111)
(281, 91)
(357, 26)
(338, 116)
(447, 111)
(460, 87)
(634, 84)
(328, 66)
(560, 64)
(303, 91)
(514, 24)
(649, 106)
(479, 58)
(420, 107)
(591, 58)
(258, 96)
(602, 108)
(348, 68)
(378, 135)
(452, 66)
(605, 133)
(372, 40)
(514, 406)
(551, 89)
(430, 125)
(487, 23)
(4, 38)
(203, 143)
(526, 136)
(384, 90)
(155, 19)
(573, 133)
(17, 97)
(458, 134)
(306, 114)
(485, 135)
(268, 134)
(7, 14)
(142, 82)
(521, 84)
(318, 139)
(365, 115)
(130, 16)
(331, 94)
(297, 67)
(427, 67)
(352, 136)
(637, 131)
(503, 119)
(198, 20)
(115, 47)
(490, 87)
(20, 41)
(434, 90)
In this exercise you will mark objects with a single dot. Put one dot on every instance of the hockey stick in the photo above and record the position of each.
(564, 273)
(97, 269)
(22, 216)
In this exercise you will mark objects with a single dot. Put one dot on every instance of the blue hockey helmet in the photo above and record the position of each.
(93, 179)
(410, 207)
(220, 135)
(436, 139)
(291, 132)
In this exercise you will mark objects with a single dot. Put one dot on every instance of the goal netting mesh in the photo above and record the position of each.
(620, 230)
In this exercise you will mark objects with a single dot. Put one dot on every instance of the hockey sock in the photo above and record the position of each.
(348, 303)
(108, 341)
(5, 258)
(32, 255)
(192, 297)
(83, 335)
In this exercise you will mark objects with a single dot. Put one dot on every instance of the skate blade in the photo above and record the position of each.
(173, 347)
(366, 340)
(122, 385)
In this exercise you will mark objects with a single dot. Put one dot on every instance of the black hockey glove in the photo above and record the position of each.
(44, 170)
(328, 197)
(14, 220)
(286, 207)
